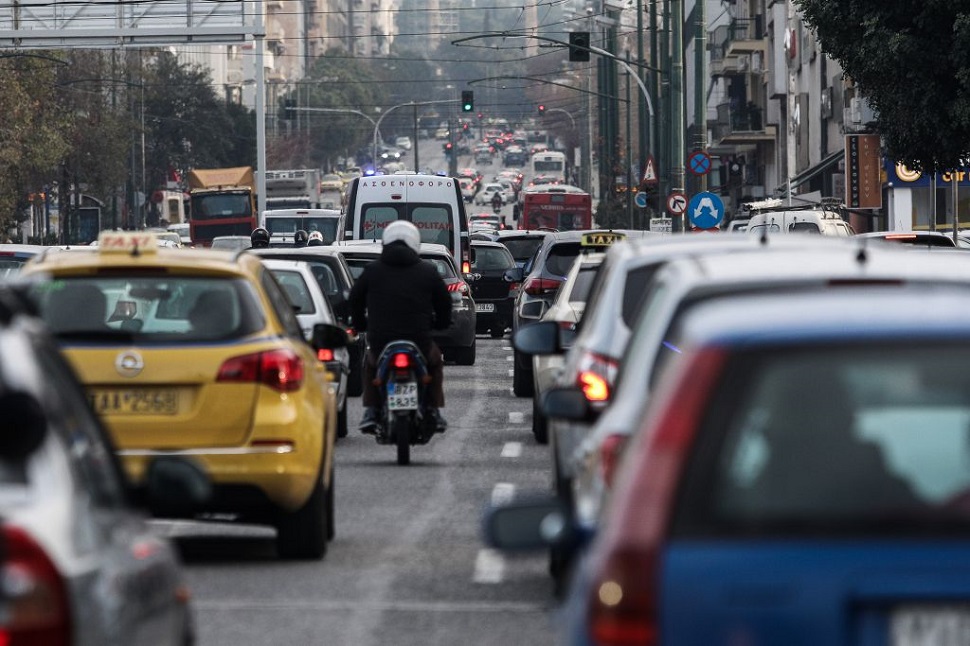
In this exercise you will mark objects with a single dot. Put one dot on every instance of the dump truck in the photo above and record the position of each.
(223, 203)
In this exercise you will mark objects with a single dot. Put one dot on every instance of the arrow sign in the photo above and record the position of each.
(705, 211)
(677, 203)
(641, 200)
(650, 171)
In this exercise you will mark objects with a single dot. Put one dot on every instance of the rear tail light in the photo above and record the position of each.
(325, 354)
(596, 376)
(401, 361)
(622, 603)
(466, 267)
(458, 286)
(38, 612)
(540, 286)
(281, 370)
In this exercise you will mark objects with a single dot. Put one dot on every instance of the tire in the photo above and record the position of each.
(522, 384)
(465, 356)
(355, 380)
(342, 420)
(302, 534)
(540, 425)
(331, 520)
(401, 428)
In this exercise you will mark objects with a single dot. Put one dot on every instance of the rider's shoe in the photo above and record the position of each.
(369, 421)
(440, 422)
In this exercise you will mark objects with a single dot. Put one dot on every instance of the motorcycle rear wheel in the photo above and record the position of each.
(401, 429)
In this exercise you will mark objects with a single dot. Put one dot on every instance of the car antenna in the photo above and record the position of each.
(862, 256)
(764, 236)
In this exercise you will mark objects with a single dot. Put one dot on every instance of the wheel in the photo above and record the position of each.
(522, 384)
(355, 380)
(464, 356)
(302, 534)
(342, 421)
(540, 425)
(331, 521)
(401, 428)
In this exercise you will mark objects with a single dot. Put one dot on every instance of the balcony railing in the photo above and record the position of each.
(738, 123)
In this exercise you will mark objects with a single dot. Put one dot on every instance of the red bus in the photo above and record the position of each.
(557, 206)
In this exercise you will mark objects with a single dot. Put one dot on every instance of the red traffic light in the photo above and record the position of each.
(542, 108)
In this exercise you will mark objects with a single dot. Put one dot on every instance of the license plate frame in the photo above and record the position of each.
(402, 395)
(134, 401)
(929, 624)
(485, 308)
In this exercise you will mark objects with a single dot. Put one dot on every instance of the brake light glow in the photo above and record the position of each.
(458, 286)
(34, 592)
(622, 605)
(540, 286)
(466, 267)
(281, 370)
(401, 360)
(596, 376)
(594, 386)
(325, 354)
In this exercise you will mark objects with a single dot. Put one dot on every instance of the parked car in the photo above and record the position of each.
(79, 564)
(457, 343)
(200, 354)
(312, 308)
(493, 294)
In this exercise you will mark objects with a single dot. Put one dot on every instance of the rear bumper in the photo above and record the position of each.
(461, 334)
(501, 315)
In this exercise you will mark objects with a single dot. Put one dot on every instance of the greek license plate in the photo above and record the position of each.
(402, 395)
(930, 626)
(484, 307)
(134, 402)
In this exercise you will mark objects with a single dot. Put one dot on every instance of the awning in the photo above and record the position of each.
(826, 164)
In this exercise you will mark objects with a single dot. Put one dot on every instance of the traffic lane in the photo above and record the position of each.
(408, 554)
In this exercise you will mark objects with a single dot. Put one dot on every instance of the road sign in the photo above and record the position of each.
(661, 225)
(677, 203)
(699, 163)
(650, 172)
(705, 211)
(641, 199)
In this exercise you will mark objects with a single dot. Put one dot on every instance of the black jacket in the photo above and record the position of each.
(399, 296)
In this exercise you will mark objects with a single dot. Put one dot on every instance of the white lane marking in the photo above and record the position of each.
(327, 605)
(509, 358)
(506, 347)
(512, 450)
(511, 372)
(516, 418)
(489, 567)
(502, 493)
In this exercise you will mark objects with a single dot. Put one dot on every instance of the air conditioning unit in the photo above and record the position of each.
(756, 62)
(859, 112)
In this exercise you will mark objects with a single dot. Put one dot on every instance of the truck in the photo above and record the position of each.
(282, 224)
(223, 202)
(293, 189)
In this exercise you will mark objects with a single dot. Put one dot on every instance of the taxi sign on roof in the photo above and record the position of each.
(600, 239)
(127, 242)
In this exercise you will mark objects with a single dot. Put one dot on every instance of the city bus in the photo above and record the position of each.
(560, 207)
(549, 164)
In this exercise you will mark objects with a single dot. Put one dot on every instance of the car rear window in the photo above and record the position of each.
(635, 292)
(842, 440)
(584, 280)
(486, 258)
(296, 290)
(522, 248)
(150, 308)
(443, 265)
(561, 257)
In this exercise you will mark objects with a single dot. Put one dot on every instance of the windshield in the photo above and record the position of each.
(296, 289)
(544, 166)
(222, 205)
(290, 225)
(522, 248)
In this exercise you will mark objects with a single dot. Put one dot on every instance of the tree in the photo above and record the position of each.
(912, 62)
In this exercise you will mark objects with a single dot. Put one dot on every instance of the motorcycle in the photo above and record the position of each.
(404, 379)
(496, 207)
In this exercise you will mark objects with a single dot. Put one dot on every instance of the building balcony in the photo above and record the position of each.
(741, 125)
(744, 36)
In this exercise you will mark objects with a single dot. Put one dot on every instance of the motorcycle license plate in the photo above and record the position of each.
(402, 395)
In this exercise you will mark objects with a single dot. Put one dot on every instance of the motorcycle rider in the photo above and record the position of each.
(300, 238)
(400, 297)
(259, 238)
(315, 239)
(497, 201)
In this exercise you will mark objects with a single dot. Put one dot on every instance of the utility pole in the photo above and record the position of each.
(643, 130)
(677, 153)
(790, 158)
(665, 177)
(629, 147)
(700, 81)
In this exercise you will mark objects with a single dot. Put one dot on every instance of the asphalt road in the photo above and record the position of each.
(407, 565)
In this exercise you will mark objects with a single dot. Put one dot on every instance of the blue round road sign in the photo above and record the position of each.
(641, 200)
(699, 163)
(705, 210)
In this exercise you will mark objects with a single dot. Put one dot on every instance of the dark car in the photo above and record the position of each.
(335, 278)
(492, 292)
(522, 244)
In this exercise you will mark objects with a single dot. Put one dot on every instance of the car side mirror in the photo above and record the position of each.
(538, 338)
(330, 336)
(529, 524)
(566, 403)
(514, 275)
(24, 426)
(176, 484)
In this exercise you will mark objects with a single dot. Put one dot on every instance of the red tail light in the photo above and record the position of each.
(594, 386)
(281, 370)
(622, 606)
(38, 611)
(540, 286)
(458, 286)
(401, 361)
(597, 374)
(325, 354)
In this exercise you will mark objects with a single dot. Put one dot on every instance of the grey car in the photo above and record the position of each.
(79, 565)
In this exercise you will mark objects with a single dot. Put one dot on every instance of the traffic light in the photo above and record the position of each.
(288, 112)
(467, 101)
(579, 46)
(542, 109)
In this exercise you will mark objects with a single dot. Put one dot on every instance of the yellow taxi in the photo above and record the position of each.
(198, 353)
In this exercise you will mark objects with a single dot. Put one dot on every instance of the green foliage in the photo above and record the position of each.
(912, 61)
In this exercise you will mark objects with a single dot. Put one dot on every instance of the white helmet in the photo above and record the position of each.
(404, 231)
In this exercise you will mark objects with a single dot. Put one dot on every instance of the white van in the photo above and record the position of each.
(433, 203)
(814, 219)
(283, 223)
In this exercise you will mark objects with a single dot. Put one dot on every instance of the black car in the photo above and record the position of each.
(521, 243)
(492, 292)
(335, 278)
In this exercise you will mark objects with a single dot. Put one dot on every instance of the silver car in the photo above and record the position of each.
(78, 564)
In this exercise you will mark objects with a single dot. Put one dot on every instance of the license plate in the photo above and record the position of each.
(484, 307)
(930, 626)
(134, 402)
(402, 395)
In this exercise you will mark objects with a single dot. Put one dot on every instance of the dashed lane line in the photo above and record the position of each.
(512, 450)
(516, 417)
(489, 567)
(502, 493)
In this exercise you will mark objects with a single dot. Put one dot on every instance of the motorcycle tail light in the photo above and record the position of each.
(325, 354)
(401, 361)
